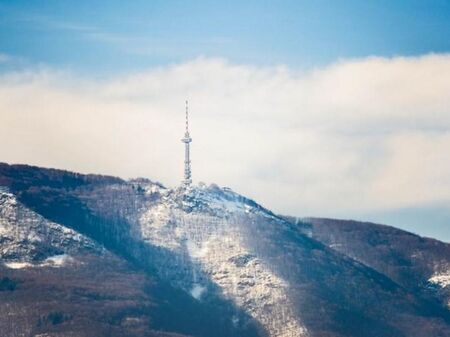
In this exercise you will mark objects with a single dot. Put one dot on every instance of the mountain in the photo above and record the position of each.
(89, 255)
(55, 280)
(418, 264)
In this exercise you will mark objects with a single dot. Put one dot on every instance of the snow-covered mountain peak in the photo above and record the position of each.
(212, 200)
(206, 228)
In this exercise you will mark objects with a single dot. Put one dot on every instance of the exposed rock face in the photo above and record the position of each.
(206, 262)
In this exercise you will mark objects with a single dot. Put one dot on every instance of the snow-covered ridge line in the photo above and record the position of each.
(27, 237)
(205, 227)
(223, 200)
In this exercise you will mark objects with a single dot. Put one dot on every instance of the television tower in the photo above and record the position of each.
(187, 160)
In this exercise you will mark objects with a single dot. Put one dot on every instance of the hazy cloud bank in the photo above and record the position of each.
(359, 135)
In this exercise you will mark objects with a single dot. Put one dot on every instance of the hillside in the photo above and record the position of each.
(418, 264)
(202, 262)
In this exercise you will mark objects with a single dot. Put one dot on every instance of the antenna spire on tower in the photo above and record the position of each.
(187, 160)
(187, 117)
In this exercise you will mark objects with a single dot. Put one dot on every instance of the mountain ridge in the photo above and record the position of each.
(422, 262)
(262, 272)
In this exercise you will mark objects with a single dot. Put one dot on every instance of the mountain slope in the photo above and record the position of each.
(55, 279)
(239, 269)
(418, 264)
(36, 240)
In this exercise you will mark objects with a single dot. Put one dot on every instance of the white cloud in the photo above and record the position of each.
(357, 135)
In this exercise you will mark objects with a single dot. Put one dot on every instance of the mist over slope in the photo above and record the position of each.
(204, 261)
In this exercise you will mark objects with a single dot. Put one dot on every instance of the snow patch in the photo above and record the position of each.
(195, 250)
(18, 265)
(34, 237)
(442, 279)
(152, 189)
(197, 291)
(52, 261)
(3, 230)
(58, 260)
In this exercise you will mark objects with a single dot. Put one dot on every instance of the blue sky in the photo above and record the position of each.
(139, 34)
(314, 108)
